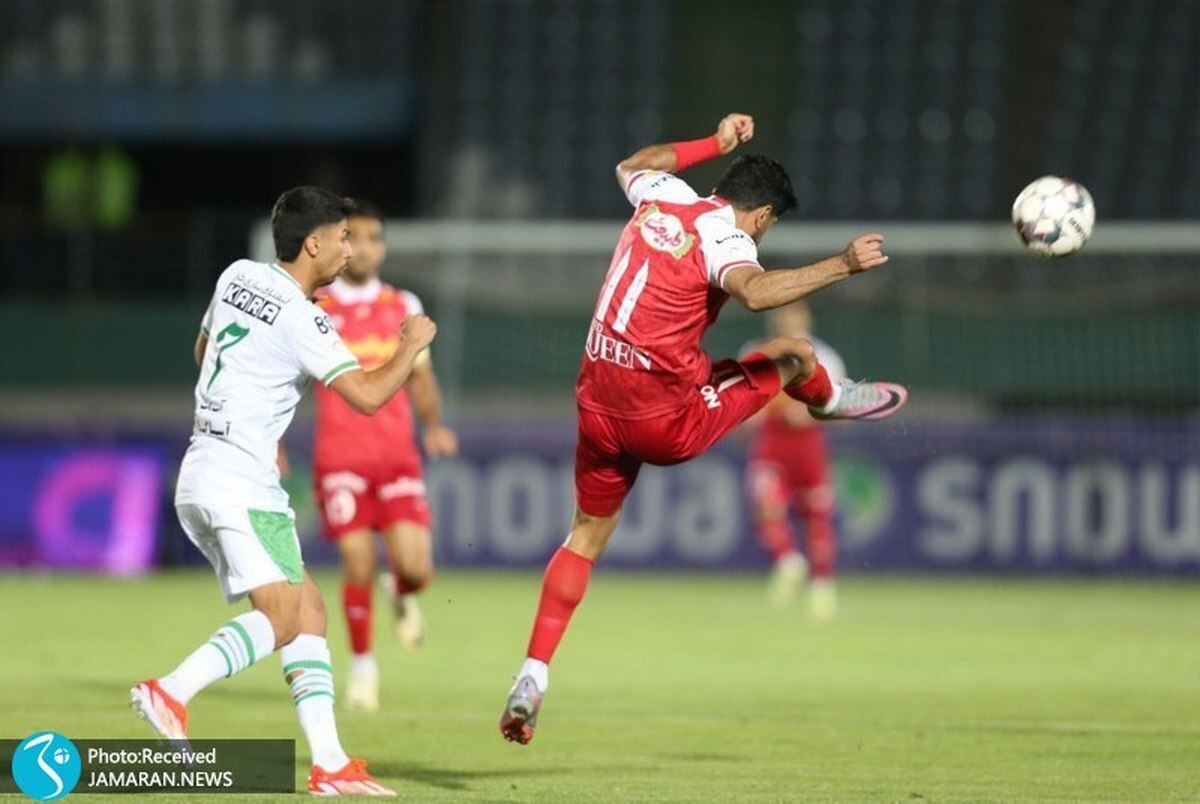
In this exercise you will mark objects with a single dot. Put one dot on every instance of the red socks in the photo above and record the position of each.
(776, 537)
(356, 600)
(815, 392)
(822, 548)
(563, 586)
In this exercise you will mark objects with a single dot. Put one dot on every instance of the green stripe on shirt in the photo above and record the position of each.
(332, 374)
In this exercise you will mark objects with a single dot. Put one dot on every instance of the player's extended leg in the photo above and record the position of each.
(233, 542)
(357, 550)
(770, 505)
(410, 555)
(806, 380)
(563, 587)
(243, 641)
(308, 670)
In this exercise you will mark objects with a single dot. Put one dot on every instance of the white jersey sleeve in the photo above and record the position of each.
(655, 185)
(413, 306)
(317, 348)
(724, 245)
(412, 303)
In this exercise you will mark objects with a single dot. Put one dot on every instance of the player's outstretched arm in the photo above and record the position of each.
(672, 157)
(368, 391)
(764, 290)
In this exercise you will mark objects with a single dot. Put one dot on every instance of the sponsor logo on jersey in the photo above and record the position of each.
(250, 302)
(372, 350)
(609, 349)
(402, 487)
(344, 480)
(664, 232)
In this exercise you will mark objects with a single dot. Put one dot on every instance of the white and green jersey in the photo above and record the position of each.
(265, 340)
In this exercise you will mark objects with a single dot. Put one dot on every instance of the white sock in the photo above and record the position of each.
(539, 671)
(309, 675)
(363, 664)
(832, 404)
(244, 640)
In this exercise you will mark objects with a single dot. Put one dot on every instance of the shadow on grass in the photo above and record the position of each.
(451, 778)
(121, 689)
(697, 757)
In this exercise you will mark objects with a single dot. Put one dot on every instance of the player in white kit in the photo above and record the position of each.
(261, 341)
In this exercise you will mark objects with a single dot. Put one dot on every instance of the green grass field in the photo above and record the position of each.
(684, 688)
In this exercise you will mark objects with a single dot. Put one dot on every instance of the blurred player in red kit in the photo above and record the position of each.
(790, 471)
(368, 469)
(647, 392)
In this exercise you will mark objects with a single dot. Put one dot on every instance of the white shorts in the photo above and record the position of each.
(247, 548)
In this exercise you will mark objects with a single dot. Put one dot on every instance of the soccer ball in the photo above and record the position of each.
(1054, 216)
(62, 756)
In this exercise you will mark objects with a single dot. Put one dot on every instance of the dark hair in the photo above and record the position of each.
(366, 209)
(298, 212)
(753, 181)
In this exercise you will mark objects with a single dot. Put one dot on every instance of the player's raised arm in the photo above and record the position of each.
(368, 391)
(759, 290)
(673, 157)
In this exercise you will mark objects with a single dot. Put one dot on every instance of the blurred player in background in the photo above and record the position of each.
(789, 470)
(368, 468)
(260, 343)
(647, 392)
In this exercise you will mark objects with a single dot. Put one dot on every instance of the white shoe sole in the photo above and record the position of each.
(143, 707)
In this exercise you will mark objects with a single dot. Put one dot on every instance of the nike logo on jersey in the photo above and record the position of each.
(734, 236)
(250, 303)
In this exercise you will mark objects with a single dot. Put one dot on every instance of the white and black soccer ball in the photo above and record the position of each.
(1054, 216)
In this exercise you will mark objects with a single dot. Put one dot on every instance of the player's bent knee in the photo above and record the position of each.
(804, 352)
(796, 358)
(590, 534)
(415, 579)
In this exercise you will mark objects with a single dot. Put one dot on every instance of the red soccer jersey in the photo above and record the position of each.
(663, 291)
(368, 317)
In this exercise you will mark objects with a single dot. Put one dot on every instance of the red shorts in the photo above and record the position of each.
(790, 467)
(374, 497)
(611, 451)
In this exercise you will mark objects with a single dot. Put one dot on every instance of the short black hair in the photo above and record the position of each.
(366, 209)
(300, 210)
(755, 180)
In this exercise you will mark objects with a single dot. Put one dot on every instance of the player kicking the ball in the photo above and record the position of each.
(368, 468)
(261, 341)
(647, 392)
